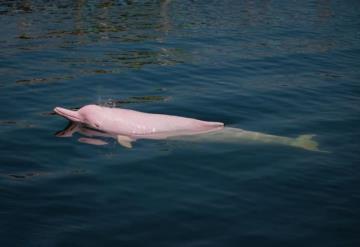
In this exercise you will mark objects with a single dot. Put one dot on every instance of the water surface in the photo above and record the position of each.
(279, 67)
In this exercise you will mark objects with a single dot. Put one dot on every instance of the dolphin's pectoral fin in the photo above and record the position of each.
(124, 141)
(125, 144)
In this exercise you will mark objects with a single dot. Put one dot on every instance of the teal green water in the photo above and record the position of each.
(279, 67)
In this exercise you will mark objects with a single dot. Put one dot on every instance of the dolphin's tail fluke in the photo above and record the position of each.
(307, 142)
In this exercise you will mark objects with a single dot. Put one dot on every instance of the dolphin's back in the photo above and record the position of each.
(135, 123)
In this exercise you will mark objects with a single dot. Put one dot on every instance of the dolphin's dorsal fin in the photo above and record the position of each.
(124, 141)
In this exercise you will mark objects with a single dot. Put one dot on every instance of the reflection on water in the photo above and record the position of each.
(73, 24)
(90, 21)
(22, 124)
(33, 175)
(90, 136)
(34, 81)
(78, 26)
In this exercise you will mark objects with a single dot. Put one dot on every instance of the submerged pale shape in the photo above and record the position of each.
(129, 125)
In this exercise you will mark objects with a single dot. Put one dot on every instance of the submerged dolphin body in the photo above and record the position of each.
(128, 126)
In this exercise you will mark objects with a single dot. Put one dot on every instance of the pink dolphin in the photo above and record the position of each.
(130, 125)
(127, 126)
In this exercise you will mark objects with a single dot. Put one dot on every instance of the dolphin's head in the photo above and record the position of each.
(90, 115)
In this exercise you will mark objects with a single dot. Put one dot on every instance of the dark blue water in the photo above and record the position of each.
(280, 67)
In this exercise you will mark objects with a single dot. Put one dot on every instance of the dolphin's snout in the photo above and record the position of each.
(68, 114)
(57, 110)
